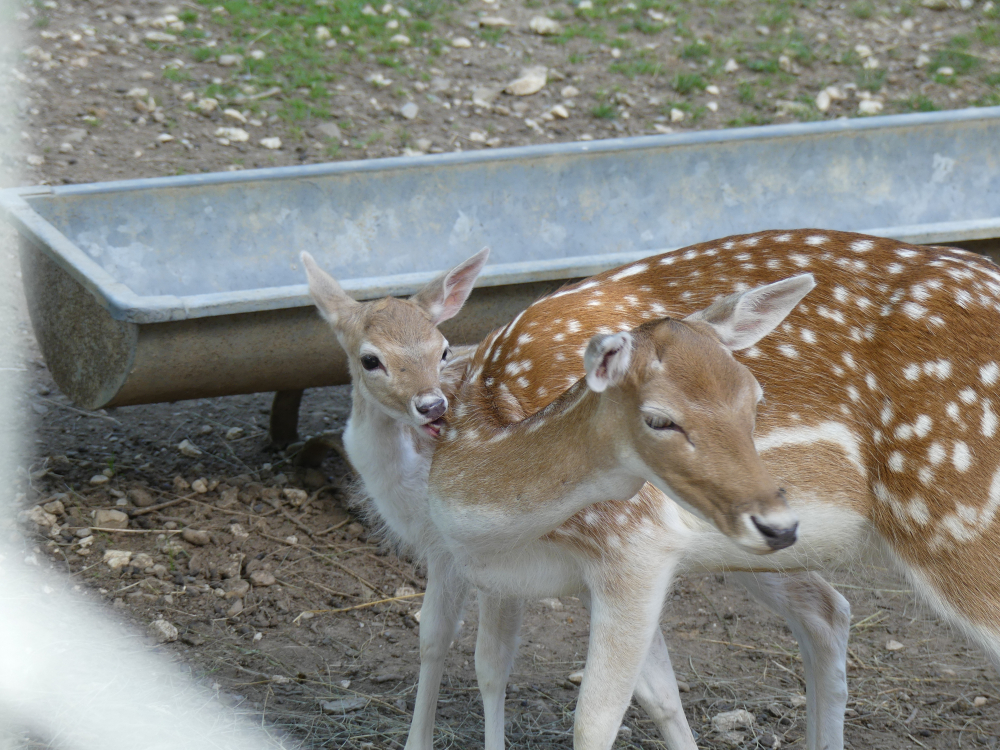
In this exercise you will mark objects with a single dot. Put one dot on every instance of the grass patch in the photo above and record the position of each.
(746, 93)
(696, 51)
(594, 33)
(763, 66)
(605, 111)
(747, 119)
(177, 75)
(685, 83)
(993, 79)
(492, 35)
(863, 10)
(871, 79)
(992, 99)
(918, 103)
(640, 66)
(988, 34)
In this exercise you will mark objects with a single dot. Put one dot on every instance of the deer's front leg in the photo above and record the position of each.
(496, 647)
(820, 619)
(442, 607)
(657, 693)
(624, 615)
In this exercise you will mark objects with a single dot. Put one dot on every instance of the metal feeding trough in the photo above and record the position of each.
(185, 287)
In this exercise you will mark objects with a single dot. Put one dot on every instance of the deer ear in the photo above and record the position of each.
(332, 301)
(741, 320)
(444, 297)
(607, 359)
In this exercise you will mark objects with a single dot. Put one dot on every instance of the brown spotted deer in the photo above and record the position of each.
(392, 476)
(880, 423)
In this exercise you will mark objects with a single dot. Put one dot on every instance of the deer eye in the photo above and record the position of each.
(370, 362)
(657, 422)
(446, 354)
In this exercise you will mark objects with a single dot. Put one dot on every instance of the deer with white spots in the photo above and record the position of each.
(880, 423)
(610, 447)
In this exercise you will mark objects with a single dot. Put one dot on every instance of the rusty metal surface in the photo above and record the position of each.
(184, 287)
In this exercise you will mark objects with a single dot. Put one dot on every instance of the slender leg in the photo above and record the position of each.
(439, 616)
(624, 616)
(657, 693)
(285, 417)
(496, 646)
(820, 619)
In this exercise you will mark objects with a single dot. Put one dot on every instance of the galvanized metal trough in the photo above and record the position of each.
(185, 287)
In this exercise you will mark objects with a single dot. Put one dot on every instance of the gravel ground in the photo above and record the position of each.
(234, 546)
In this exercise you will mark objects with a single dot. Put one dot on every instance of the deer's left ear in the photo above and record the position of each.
(607, 359)
(444, 297)
(741, 320)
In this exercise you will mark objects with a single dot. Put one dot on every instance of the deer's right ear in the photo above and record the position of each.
(332, 301)
(444, 297)
(607, 359)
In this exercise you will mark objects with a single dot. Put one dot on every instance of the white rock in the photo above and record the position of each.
(207, 104)
(137, 92)
(892, 645)
(185, 446)
(230, 61)
(966, 4)
(660, 128)
(400, 39)
(235, 114)
(484, 96)
(295, 496)
(576, 678)
(560, 111)
(729, 721)
(907, 24)
(233, 135)
(345, 30)
(836, 93)
(544, 26)
(585, 5)
(258, 54)
(979, 701)
(239, 533)
(200, 486)
(823, 101)
(616, 53)
(424, 144)
(110, 519)
(676, 115)
(493, 22)
(164, 138)
(99, 479)
(234, 433)
(712, 105)
(35, 160)
(477, 137)
(869, 107)
(65, 148)
(368, 10)
(160, 36)
(461, 42)
(713, 90)
(945, 71)
(569, 92)
(863, 50)
(552, 603)
(731, 66)
(117, 558)
(379, 80)
(322, 33)
(531, 81)
(404, 591)
(40, 517)
(262, 578)
(392, 25)
(163, 631)
(922, 61)
(273, 143)
(410, 110)
(343, 705)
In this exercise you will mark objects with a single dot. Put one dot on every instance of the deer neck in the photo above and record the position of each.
(553, 464)
(393, 459)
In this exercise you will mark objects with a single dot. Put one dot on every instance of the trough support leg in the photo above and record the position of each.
(285, 417)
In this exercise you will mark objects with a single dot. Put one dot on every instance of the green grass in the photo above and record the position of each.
(748, 118)
(763, 66)
(993, 79)
(746, 93)
(918, 103)
(639, 66)
(871, 79)
(176, 74)
(863, 10)
(696, 51)
(685, 83)
(605, 111)
(988, 34)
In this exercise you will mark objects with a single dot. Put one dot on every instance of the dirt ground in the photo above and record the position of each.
(272, 583)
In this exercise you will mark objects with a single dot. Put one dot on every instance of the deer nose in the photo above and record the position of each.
(432, 407)
(776, 537)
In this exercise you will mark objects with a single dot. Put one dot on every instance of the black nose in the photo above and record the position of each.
(433, 409)
(777, 538)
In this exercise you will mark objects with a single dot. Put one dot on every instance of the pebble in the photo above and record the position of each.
(869, 107)
(163, 631)
(544, 26)
(461, 42)
(892, 645)
(945, 71)
(676, 115)
(41, 517)
(236, 588)
(823, 101)
(196, 537)
(387, 677)
(530, 81)
(569, 92)
(729, 721)
(34, 160)
(979, 701)
(712, 105)
(110, 519)
(731, 66)
(400, 39)
(142, 561)
(229, 61)
(234, 433)
(683, 687)
(484, 96)
(552, 603)
(207, 105)
(560, 111)
(493, 22)
(344, 705)
(322, 33)
(164, 138)
(262, 578)
(117, 558)
(576, 678)
(424, 144)
(354, 530)
(625, 732)
(409, 110)
(235, 114)
(55, 507)
(236, 609)
(295, 496)
(200, 486)
(798, 701)
(185, 446)
(233, 135)
(477, 137)
(238, 531)
(75, 135)
(272, 143)
(160, 36)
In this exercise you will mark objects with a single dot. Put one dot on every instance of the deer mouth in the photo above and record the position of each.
(433, 428)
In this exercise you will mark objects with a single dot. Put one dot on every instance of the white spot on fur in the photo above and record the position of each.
(896, 461)
(911, 372)
(922, 426)
(914, 311)
(630, 271)
(840, 294)
(961, 456)
(989, 372)
(936, 453)
(788, 351)
(836, 433)
(967, 395)
(952, 410)
(808, 336)
(573, 326)
(816, 239)
(989, 422)
(862, 246)
(904, 432)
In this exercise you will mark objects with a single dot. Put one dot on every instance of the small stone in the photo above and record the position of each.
(235, 433)
(461, 42)
(327, 130)
(75, 135)
(262, 578)
(343, 706)
(729, 721)
(236, 588)
(235, 609)
(354, 530)
(207, 105)
(65, 148)
(544, 26)
(494, 22)
(945, 71)
(477, 137)
(869, 107)
(424, 144)
(345, 30)
(922, 61)
(892, 645)
(322, 33)
(35, 160)
(731, 66)
(41, 517)
(163, 631)
(712, 105)
(798, 701)
(863, 50)
(196, 537)
(185, 446)
(387, 677)
(823, 101)
(234, 135)
(409, 110)
(295, 496)
(55, 507)
(569, 92)
(676, 115)
(141, 560)
(531, 81)
(576, 678)
(273, 143)
(235, 114)
(560, 111)
(230, 61)
(237, 530)
(713, 90)
(979, 701)
(117, 558)
(552, 603)
(200, 486)
(161, 37)
(400, 39)
(484, 96)
(164, 138)
(110, 519)
(258, 54)
(625, 732)
(683, 687)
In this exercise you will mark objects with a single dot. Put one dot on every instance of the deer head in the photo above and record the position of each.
(395, 351)
(689, 410)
